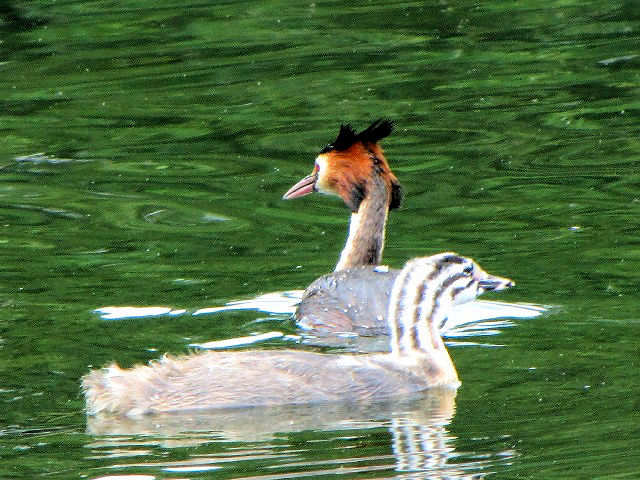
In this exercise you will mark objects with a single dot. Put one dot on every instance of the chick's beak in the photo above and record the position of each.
(303, 187)
(493, 283)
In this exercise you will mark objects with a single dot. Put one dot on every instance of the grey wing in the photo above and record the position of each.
(353, 300)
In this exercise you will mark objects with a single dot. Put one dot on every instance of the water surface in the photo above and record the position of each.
(143, 155)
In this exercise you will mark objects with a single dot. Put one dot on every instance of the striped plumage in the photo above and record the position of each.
(423, 292)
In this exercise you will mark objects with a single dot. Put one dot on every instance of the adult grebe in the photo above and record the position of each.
(422, 294)
(353, 167)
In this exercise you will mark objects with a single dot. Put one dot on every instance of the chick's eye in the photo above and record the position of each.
(468, 269)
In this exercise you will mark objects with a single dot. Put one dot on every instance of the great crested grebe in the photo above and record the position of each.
(422, 294)
(353, 167)
(355, 297)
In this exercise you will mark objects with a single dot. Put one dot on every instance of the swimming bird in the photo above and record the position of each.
(422, 294)
(355, 297)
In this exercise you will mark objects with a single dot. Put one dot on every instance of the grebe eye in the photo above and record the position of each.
(468, 269)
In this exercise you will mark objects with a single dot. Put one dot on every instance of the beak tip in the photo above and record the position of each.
(496, 284)
(303, 187)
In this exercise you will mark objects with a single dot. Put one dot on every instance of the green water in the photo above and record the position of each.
(170, 134)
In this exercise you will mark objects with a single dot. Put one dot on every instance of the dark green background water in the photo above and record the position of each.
(171, 134)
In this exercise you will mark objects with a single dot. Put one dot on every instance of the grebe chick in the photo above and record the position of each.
(422, 294)
(354, 168)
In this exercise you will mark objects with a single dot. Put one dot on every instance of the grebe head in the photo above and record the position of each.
(346, 167)
(466, 280)
(424, 292)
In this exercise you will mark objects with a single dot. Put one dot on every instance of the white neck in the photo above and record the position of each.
(367, 229)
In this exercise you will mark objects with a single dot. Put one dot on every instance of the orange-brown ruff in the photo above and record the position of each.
(351, 173)
(423, 293)
(354, 168)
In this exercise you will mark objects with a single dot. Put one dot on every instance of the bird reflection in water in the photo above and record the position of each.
(418, 442)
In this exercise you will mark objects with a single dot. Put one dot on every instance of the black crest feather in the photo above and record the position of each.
(376, 131)
(347, 136)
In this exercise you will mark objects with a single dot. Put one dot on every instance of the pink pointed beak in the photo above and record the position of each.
(303, 187)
